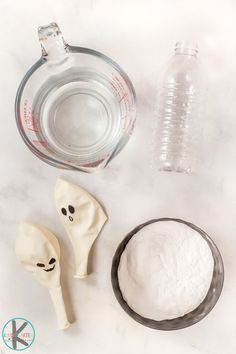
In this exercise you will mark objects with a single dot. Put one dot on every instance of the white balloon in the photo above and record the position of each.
(83, 219)
(38, 251)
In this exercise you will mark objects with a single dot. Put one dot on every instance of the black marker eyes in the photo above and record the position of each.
(71, 209)
(64, 212)
(52, 260)
(40, 265)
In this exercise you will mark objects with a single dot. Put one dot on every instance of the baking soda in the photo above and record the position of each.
(165, 270)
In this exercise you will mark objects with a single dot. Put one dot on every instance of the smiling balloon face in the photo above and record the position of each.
(38, 251)
(51, 265)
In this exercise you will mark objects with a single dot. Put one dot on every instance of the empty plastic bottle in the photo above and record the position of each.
(178, 110)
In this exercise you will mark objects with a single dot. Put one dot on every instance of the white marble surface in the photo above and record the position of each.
(140, 36)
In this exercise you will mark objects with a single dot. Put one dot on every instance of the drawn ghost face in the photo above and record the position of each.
(38, 251)
(69, 212)
(47, 268)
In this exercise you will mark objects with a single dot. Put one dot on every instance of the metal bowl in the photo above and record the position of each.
(190, 318)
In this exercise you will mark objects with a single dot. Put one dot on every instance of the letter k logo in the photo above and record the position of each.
(16, 332)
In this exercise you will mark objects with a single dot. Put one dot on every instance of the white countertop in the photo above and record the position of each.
(140, 36)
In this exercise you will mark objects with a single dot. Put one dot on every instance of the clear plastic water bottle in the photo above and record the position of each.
(178, 107)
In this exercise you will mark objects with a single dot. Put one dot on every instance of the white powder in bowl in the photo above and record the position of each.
(165, 270)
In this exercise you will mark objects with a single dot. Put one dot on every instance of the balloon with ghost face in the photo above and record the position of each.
(51, 265)
(38, 251)
(83, 218)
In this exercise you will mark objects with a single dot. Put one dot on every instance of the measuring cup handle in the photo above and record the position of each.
(52, 42)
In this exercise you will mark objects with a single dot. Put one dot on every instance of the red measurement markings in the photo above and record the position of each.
(30, 118)
(40, 142)
(123, 97)
(131, 129)
(118, 86)
(96, 163)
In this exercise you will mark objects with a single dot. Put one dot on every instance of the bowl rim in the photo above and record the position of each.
(164, 325)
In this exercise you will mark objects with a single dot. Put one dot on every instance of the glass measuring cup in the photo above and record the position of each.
(75, 107)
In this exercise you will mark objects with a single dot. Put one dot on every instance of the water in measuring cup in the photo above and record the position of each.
(79, 116)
